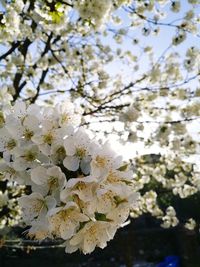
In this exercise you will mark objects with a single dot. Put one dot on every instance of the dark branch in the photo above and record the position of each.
(43, 76)
(12, 49)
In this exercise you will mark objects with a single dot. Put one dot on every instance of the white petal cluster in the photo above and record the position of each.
(52, 16)
(81, 190)
(170, 218)
(96, 11)
(10, 24)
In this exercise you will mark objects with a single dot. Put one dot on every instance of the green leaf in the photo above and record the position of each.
(123, 167)
(58, 5)
(101, 217)
(56, 16)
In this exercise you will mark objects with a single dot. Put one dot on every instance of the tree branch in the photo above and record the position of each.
(43, 76)
(12, 49)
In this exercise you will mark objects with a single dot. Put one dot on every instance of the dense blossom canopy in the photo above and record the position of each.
(131, 70)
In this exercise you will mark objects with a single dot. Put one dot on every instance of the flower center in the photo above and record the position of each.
(28, 134)
(80, 152)
(48, 138)
(52, 183)
(11, 144)
(29, 156)
(101, 161)
(65, 118)
(61, 152)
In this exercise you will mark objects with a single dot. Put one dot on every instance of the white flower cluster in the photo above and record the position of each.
(170, 218)
(96, 11)
(52, 16)
(172, 173)
(163, 181)
(81, 190)
(10, 23)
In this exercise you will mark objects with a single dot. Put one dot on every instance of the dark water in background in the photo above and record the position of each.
(132, 246)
